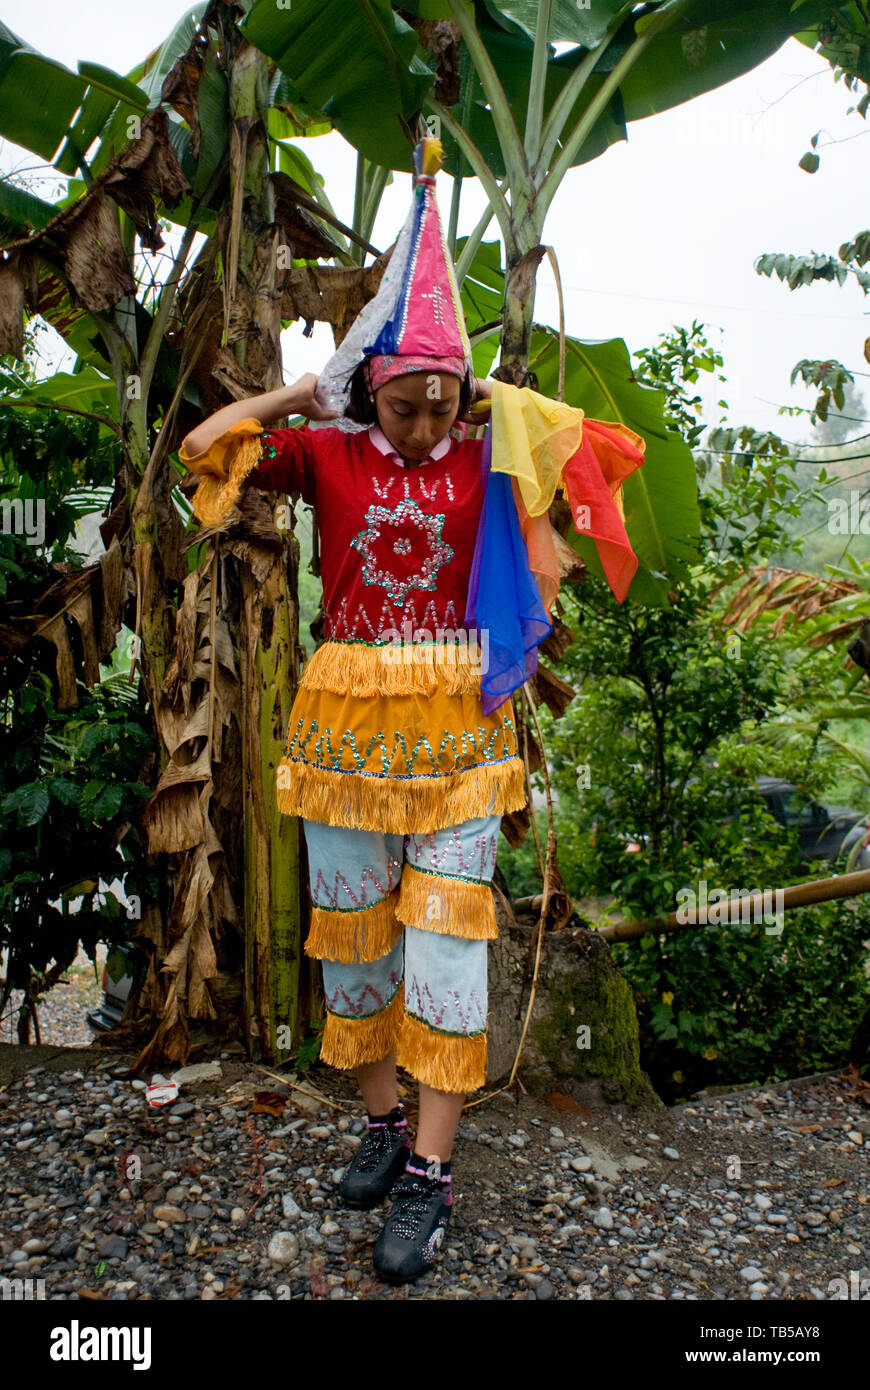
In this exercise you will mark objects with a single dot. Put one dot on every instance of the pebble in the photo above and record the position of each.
(169, 1213)
(283, 1248)
(290, 1208)
(681, 1228)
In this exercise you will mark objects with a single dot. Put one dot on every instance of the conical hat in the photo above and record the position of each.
(417, 311)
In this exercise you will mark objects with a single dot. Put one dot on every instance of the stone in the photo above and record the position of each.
(283, 1248)
(112, 1248)
(603, 1219)
(751, 1274)
(671, 1153)
(292, 1210)
(200, 1071)
(174, 1215)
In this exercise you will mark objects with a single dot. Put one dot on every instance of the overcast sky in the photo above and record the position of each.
(659, 231)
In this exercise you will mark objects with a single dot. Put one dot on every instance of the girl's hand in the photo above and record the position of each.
(478, 412)
(302, 401)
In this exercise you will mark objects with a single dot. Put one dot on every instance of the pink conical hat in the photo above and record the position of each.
(417, 311)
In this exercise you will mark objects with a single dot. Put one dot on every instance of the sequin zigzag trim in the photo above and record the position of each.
(447, 904)
(445, 1061)
(351, 1042)
(354, 935)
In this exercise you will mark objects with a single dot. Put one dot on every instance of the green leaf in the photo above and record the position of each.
(21, 211)
(39, 97)
(31, 801)
(569, 21)
(213, 122)
(358, 64)
(740, 34)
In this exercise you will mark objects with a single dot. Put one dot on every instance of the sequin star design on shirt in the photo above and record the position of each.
(402, 530)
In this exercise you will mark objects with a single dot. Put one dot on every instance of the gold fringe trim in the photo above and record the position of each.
(403, 668)
(452, 906)
(399, 805)
(351, 1042)
(215, 498)
(350, 937)
(444, 1061)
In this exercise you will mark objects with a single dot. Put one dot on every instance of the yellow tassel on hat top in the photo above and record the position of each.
(432, 156)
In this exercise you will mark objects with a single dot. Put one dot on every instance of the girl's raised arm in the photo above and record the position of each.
(296, 399)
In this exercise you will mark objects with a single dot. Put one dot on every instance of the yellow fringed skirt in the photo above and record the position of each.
(395, 739)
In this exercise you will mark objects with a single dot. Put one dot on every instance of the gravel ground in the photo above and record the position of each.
(62, 1020)
(754, 1195)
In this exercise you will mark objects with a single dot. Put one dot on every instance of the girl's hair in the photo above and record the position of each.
(364, 412)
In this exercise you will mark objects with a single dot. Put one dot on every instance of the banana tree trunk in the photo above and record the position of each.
(275, 993)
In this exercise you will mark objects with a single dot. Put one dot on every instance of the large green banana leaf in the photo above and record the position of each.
(86, 390)
(357, 61)
(44, 106)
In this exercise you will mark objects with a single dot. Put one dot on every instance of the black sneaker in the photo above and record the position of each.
(378, 1161)
(414, 1230)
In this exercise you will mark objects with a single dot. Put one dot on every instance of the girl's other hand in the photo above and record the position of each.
(302, 400)
(479, 408)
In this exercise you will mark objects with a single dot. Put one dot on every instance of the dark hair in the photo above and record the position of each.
(364, 412)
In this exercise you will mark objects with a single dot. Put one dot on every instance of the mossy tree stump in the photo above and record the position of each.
(583, 1033)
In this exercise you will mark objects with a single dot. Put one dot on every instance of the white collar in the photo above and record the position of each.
(381, 443)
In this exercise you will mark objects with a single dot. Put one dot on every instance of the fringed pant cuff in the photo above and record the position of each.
(367, 934)
(443, 903)
(351, 1042)
(444, 1061)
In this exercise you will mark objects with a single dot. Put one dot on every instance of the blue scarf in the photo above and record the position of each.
(503, 596)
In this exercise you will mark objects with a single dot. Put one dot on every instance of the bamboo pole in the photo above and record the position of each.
(820, 890)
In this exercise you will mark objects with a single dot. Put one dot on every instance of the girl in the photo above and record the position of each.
(403, 952)
(401, 754)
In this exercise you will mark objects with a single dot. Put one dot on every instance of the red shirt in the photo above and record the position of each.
(396, 543)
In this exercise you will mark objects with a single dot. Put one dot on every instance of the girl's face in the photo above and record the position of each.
(416, 411)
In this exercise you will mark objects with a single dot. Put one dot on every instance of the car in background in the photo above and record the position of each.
(125, 968)
(824, 832)
(828, 833)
